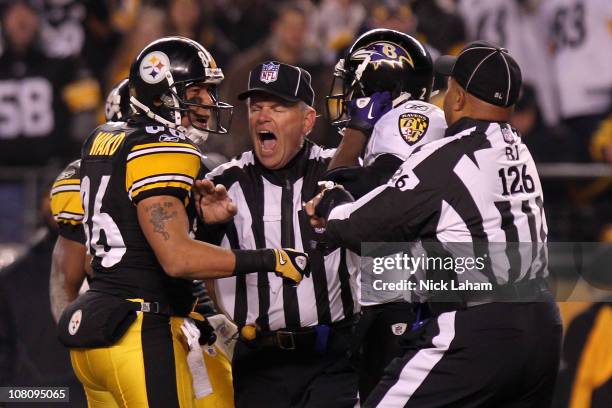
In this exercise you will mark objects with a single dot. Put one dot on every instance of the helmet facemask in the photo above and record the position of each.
(160, 81)
(219, 115)
(380, 60)
(345, 87)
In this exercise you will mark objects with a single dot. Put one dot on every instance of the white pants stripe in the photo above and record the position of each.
(418, 367)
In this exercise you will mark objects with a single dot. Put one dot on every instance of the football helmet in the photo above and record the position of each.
(117, 107)
(380, 60)
(160, 76)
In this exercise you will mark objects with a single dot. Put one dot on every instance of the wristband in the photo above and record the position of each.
(254, 260)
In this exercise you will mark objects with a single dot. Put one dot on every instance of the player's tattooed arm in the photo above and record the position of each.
(159, 215)
(165, 225)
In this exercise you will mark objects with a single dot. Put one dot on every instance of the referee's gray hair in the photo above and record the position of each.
(303, 105)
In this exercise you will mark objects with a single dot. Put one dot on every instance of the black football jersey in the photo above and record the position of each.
(122, 164)
(66, 203)
(38, 97)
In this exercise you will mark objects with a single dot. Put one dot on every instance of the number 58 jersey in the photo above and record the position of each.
(122, 164)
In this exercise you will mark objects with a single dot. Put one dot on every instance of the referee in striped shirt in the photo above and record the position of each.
(476, 190)
(294, 342)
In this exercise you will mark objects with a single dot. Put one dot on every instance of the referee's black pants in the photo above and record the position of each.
(498, 355)
(271, 377)
(378, 334)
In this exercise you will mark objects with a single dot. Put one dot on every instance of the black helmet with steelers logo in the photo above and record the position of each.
(380, 60)
(163, 71)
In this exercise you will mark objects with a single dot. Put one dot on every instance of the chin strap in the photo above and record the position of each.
(195, 135)
(147, 111)
(403, 97)
(175, 102)
(362, 67)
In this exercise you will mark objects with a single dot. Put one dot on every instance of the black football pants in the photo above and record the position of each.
(501, 355)
(277, 378)
(379, 332)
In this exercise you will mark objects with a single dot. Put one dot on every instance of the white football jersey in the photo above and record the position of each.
(403, 129)
(398, 132)
(580, 37)
(522, 31)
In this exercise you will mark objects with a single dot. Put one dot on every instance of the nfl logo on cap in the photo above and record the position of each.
(269, 72)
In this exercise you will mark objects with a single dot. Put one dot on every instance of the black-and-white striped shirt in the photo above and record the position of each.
(479, 184)
(270, 215)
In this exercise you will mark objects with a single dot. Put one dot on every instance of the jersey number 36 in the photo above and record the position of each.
(101, 222)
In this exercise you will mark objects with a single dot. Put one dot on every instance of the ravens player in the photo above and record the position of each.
(136, 179)
(70, 262)
(386, 79)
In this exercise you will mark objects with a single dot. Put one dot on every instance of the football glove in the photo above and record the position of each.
(207, 332)
(365, 112)
(291, 264)
(332, 196)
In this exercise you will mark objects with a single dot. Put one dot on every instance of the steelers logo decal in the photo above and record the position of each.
(412, 127)
(154, 66)
(66, 174)
(301, 262)
(398, 328)
(75, 322)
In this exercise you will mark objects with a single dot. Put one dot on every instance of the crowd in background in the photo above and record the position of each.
(59, 58)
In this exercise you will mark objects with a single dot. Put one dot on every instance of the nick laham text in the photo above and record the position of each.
(431, 285)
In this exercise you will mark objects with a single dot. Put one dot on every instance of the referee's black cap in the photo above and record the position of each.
(484, 70)
(286, 81)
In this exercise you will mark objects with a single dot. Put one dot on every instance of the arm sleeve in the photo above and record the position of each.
(394, 212)
(164, 168)
(361, 180)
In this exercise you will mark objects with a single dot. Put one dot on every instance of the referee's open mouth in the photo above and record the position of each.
(267, 141)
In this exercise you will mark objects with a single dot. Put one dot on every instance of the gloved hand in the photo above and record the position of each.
(207, 332)
(331, 196)
(291, 264)
(365, 112)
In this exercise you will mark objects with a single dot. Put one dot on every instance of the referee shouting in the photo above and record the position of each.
(294, 340)
(478, 186)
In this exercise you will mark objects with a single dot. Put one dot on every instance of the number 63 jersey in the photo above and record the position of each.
(122, 164)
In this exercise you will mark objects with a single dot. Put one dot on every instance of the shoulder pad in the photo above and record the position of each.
(404, 128)
(71, 171)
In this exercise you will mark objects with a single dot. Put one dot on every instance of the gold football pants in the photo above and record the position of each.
(142, 367)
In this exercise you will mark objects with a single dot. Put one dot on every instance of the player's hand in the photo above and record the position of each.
(365, 112)
(291, 264)
(309, 207)
(331, 196)
(207, 332)
(213, 204)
